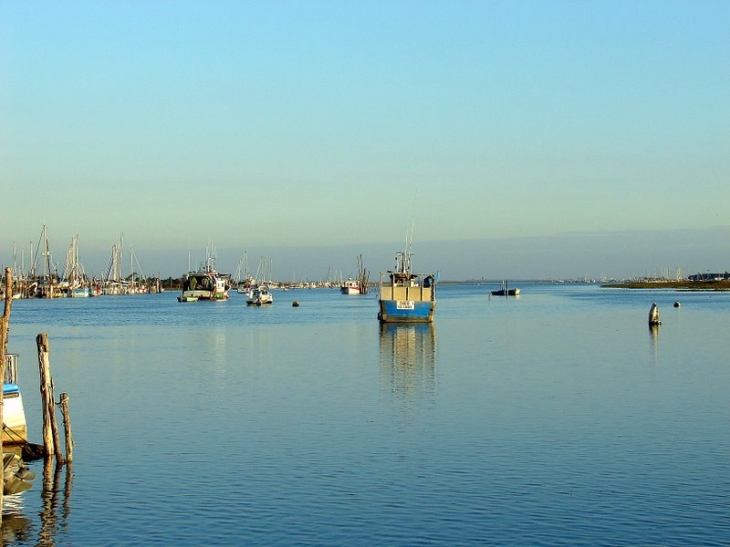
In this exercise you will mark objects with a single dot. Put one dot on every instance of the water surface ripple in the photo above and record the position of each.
(555, 418)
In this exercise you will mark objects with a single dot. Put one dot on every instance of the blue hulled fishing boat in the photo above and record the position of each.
(405, 296)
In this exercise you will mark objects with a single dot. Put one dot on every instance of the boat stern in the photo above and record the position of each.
(15, 428)
(406, 311)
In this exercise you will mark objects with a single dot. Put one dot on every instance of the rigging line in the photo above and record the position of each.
(12, 433)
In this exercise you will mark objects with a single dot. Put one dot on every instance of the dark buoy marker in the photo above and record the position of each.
(677, 304)
(295, 304)
(654, 315)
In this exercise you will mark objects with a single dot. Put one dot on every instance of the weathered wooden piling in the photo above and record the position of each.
(67, 428)
(4, 329)
(51, 438)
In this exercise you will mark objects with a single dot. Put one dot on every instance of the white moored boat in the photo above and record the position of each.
(358, 285)
(15, 428)
(350, 286)
(260, 296)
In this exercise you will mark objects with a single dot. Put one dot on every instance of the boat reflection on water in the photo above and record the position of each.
(17, 528)
(654, 332)
(408, 359)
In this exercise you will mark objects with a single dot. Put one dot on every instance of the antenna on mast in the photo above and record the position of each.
(409, 236)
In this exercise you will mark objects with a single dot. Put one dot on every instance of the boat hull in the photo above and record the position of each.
(260, 301)
(204, 285)
(508, 292)
(80, 292)
(350, 290)
(406, 311)
(194, 296)
(260, 297)
(15, 430)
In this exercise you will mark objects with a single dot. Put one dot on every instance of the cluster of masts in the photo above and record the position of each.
(264, 276)
(44, 279)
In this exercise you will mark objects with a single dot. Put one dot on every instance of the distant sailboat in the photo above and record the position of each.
(74, 279)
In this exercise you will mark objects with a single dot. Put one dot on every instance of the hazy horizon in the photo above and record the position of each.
(618, 255)
(519, 139)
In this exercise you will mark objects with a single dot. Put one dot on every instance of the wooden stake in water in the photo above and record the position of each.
(67, 428)
(4, 328)
(3, 341)
(51, 439)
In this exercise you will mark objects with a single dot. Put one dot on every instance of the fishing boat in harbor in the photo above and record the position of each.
(359, 284)
(350, 286)
(15, 429)
(405, 296)
(504, 290)
(205, 284)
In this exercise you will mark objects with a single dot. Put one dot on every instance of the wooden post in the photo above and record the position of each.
(47, 402)
(54, 424)
(4, 331)
(67, 428)
(3, 342)
(8, 299)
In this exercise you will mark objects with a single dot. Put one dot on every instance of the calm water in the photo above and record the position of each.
(557, 418)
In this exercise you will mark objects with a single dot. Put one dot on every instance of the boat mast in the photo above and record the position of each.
(405, 256)
(47, 253)
(409, 237)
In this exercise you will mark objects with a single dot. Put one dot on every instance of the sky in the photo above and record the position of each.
(506, 139)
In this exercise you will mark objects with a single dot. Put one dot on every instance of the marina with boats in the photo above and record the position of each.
(402, 367)
(44, 279)
(15, 445)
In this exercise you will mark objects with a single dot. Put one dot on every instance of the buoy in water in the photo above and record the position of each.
(654, 315)
(295, 304)
(677, 304)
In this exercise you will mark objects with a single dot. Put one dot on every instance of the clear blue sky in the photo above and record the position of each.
(542, 138)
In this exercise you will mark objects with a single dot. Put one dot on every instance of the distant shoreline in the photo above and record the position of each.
(723, 285)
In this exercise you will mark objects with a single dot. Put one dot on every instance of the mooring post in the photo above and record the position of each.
(54, 426)
(4, 329)
(3, 342)
(47, 403)
(67, 428)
